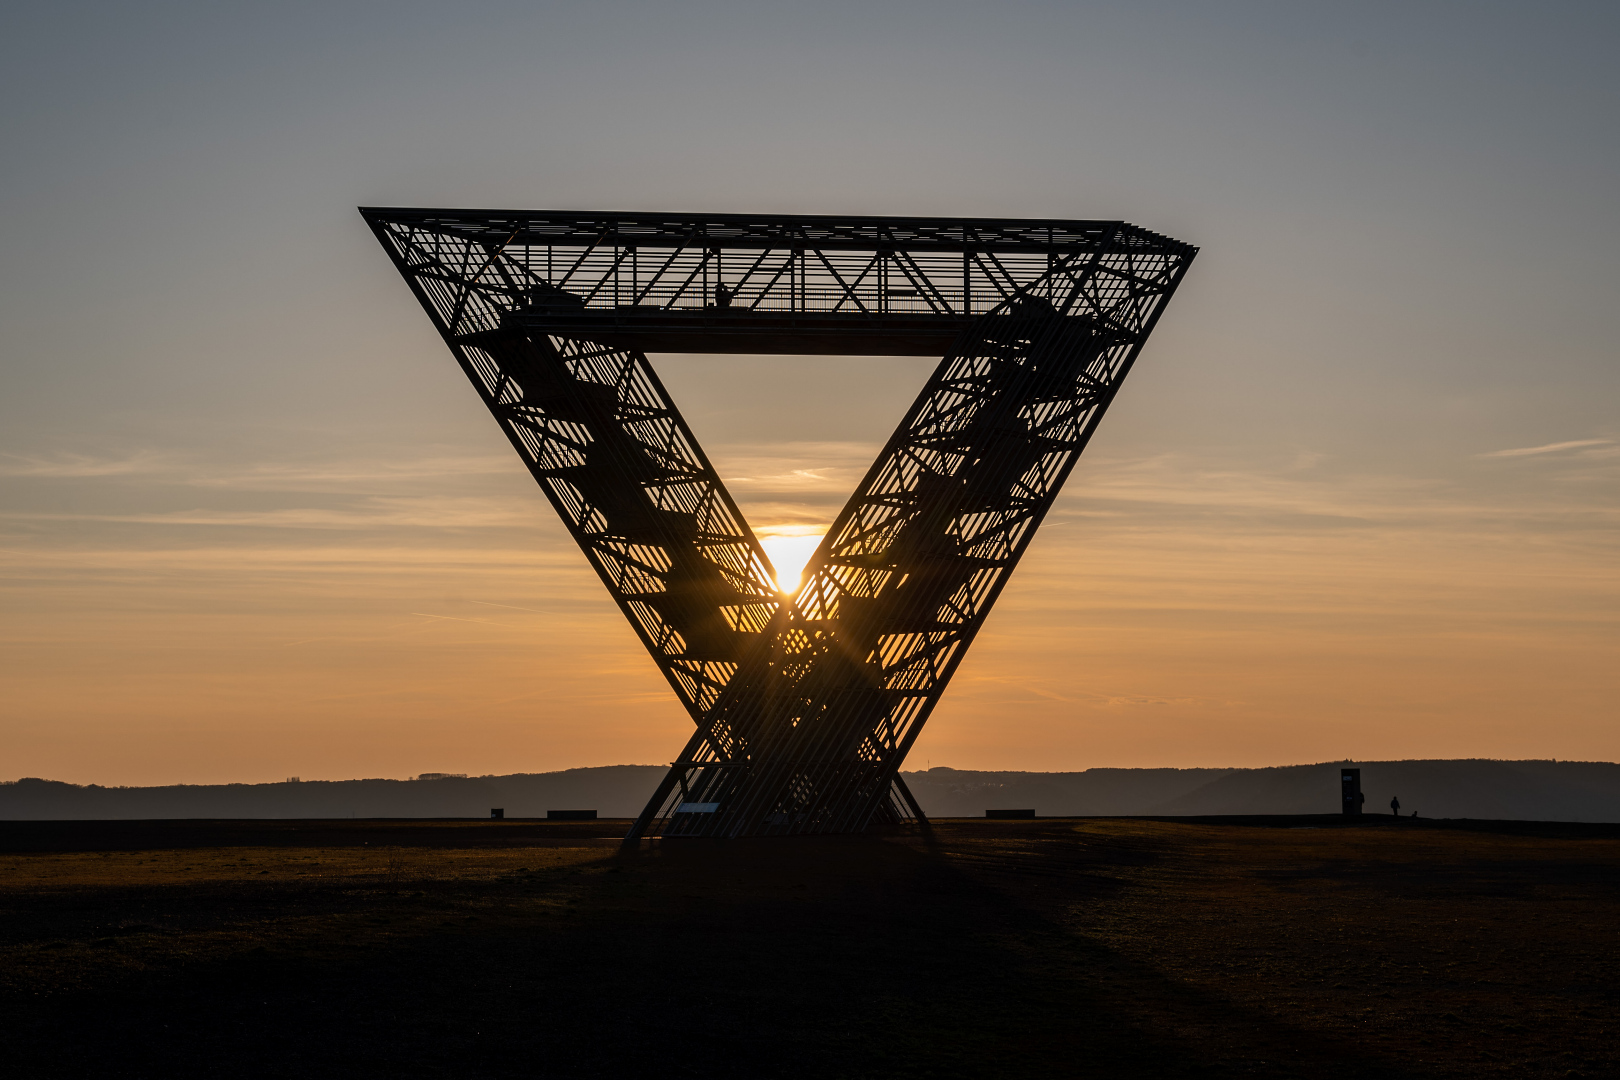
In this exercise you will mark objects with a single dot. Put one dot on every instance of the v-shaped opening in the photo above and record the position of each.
(791, 436)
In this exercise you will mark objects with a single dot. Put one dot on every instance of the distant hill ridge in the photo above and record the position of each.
(1462, 788)
(1466, 788)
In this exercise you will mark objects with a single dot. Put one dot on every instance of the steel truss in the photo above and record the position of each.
(805, 704)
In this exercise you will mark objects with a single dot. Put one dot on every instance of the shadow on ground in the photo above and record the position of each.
(1011, 950)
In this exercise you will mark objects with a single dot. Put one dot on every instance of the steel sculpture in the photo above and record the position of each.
(805, 704)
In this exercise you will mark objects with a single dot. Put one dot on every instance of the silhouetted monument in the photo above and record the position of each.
(805, 704)
(1350, 790)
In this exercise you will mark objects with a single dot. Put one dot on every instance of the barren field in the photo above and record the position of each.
(1078, 947)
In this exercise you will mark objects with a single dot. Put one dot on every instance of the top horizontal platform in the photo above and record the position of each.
(822, 232)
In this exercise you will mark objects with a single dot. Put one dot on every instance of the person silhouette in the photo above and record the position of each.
(1395, 806)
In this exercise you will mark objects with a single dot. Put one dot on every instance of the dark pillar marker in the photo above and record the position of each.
(1350, 788)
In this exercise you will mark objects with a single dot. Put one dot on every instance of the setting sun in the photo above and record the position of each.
(789, 548)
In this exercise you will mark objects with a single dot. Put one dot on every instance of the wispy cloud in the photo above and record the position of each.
(1550, 448)
(793, 478)
(1278, 497)
(432, 512)
(172, 467)
(70, 466)
(1171, 480)
(794, 464)
(351, 474)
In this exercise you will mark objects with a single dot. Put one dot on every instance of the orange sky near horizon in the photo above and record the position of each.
(1168, 614)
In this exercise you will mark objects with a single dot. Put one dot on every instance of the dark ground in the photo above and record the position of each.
(1056, 947)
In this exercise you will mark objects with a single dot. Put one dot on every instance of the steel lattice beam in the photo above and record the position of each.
(805, 705)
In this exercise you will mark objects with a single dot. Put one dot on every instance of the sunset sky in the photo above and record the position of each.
(1360, 497)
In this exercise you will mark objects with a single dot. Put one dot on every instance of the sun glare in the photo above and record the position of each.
(789, 548)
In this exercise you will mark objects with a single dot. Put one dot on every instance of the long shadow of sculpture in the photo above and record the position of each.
(805, 704)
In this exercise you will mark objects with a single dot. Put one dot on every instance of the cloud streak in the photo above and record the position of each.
(1550, 448)
(174, 467)
(427, 512)
(81, 466)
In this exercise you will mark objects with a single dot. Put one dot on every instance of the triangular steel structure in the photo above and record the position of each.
(805, 704)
